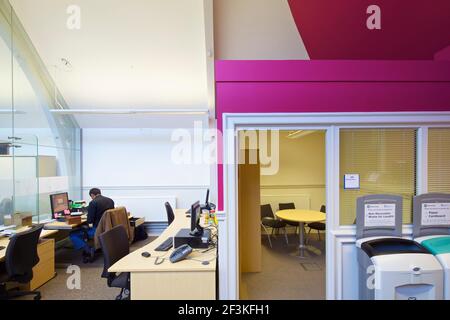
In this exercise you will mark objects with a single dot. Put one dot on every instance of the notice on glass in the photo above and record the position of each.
(435, 214)
(379, 215)
(351, 181)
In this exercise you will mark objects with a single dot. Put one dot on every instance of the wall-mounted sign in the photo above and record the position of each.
(351, 181)
(435, 214)
(379, 215)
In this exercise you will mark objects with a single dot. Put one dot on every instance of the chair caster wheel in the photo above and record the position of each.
(37, 297)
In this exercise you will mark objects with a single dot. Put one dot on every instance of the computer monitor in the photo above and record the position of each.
(208, 205)
(59, 204)
(196, 229)
(207, 197)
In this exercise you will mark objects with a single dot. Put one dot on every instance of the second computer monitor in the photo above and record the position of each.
(196, 229)
(59, 203)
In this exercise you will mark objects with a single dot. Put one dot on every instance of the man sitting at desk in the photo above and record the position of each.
(97, 207)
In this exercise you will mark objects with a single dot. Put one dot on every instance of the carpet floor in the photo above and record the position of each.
(92, 285)
(285, 276)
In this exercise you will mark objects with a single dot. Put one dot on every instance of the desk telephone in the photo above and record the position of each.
(180, 253)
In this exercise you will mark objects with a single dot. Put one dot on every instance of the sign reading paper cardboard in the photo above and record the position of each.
(379, 215)
(435, 214)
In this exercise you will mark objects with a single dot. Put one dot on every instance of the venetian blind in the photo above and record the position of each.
(439, 160)
(385, 160)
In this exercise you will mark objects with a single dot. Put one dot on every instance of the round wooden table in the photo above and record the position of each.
(301, 216)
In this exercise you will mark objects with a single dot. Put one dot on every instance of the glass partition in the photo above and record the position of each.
(39, 152)
(439, 160)
(384, 160)
(26, 188)
(6, 116)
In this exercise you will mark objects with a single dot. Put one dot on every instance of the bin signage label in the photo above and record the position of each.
(379, 215)
(435, 214)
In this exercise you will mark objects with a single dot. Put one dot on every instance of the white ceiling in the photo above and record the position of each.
(128, 54)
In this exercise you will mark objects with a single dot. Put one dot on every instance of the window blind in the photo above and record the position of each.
(439, 160)
(385, 160)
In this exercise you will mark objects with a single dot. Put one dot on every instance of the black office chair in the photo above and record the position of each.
(115, 246)
(269, 220)
(319, 226)
(21, 256)
(170, 214)
(286, 206)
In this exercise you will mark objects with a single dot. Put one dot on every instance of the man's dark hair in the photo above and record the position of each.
(95, 191)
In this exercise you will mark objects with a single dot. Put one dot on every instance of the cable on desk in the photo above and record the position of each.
(157, 258)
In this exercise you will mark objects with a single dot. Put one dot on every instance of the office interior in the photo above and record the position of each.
(155, 103)
(293, 179)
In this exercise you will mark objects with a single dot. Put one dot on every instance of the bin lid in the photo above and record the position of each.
(437, 245)
(387, 246)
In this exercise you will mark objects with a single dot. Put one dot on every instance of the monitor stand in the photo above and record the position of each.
(184, 236)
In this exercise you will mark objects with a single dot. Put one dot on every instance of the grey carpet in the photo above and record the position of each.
(283, 276)
(286, 277)
(93, 287)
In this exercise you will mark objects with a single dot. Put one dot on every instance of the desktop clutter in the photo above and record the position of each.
(198, 237)
(66, 210)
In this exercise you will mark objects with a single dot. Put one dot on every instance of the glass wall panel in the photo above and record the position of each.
(39, 152)
(6, 115)
(26, 177)
(385, 160)
(439, 160)
(57, 158)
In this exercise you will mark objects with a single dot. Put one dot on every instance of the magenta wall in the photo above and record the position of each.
(329, 86)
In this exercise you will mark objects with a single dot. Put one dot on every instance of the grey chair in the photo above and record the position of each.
(268, 220)
(21, 256)
(319, 226)
(286, 206)
(115, 246)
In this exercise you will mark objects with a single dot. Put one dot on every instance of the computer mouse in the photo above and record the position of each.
(146, 254)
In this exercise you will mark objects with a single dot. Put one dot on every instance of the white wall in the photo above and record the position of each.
(134, 167)
(256, 30)
(301, 175)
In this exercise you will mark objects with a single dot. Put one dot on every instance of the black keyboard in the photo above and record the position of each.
(166, 245)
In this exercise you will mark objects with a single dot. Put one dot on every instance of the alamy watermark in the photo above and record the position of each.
(74, 280)
(200, 146)
(73, 21)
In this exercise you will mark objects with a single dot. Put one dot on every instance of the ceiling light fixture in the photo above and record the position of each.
(299, 133)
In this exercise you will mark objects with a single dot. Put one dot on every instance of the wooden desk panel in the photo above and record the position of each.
(4, 241)
(187, 279)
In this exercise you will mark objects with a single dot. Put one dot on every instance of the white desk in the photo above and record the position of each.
(187, 279)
